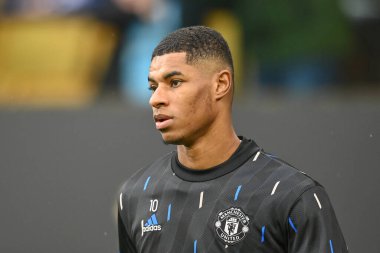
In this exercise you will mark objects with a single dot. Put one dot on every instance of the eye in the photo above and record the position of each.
(152, 88)
(175, 83)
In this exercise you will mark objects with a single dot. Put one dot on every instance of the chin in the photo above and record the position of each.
(171, 139)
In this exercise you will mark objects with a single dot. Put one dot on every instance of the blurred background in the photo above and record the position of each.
(75, 121)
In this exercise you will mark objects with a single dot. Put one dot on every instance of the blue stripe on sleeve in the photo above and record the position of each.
(331, 247)
(262, 234)
(169, 212)
(292, 225)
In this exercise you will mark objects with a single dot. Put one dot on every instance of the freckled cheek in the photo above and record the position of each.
(187, 114)
(198, 112)
(191, 107)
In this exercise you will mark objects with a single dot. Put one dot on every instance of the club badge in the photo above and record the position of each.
(232, 225)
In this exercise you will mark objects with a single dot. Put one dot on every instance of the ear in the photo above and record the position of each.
(223, 84)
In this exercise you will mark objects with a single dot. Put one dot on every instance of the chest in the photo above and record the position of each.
(224, 216)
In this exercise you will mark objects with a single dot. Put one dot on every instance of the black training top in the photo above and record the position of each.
(253, 202)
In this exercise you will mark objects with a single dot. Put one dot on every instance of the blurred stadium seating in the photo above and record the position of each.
(53, 61)
(228, 25)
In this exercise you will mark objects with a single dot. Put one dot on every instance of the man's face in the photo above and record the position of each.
(182, 98)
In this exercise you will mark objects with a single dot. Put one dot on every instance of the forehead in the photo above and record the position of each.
(168, 62)
(162, 65)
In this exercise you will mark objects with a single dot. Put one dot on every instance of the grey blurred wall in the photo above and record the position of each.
(61, 169)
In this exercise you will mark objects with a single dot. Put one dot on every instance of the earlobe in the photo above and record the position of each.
(224, 84)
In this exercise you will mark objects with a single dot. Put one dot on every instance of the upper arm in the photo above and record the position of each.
(312, 225)
(125, 243)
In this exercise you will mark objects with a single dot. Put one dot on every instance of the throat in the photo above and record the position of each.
(207, 156)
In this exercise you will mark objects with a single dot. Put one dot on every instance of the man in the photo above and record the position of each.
(217, 192)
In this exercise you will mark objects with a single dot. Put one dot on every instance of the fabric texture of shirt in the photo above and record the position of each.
(253, 202)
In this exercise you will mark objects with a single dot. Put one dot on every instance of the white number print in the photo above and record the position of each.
(153, 205)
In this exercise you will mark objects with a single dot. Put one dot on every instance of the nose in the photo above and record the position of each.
(158, 98)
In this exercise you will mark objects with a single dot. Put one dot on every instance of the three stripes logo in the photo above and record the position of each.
(150, 225)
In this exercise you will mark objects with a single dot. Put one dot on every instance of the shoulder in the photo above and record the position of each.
(278, 186)
(283, 184)
(143, 175)
(291, 179)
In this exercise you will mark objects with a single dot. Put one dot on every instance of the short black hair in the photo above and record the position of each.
(198, 42)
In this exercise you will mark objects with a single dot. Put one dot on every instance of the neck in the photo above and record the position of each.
(209, 151)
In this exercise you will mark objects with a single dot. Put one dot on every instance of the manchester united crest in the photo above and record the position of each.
(232, 225)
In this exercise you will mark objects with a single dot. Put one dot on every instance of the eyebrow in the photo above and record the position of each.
(168, 75)
(173, 73)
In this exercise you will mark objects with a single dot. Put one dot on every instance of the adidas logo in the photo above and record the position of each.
(150, 225)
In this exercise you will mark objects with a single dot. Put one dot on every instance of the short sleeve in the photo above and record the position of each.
(312, 225)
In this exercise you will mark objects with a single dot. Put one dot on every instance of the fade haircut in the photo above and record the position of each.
(199, 43)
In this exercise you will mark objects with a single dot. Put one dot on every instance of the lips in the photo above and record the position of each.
(162, 121)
